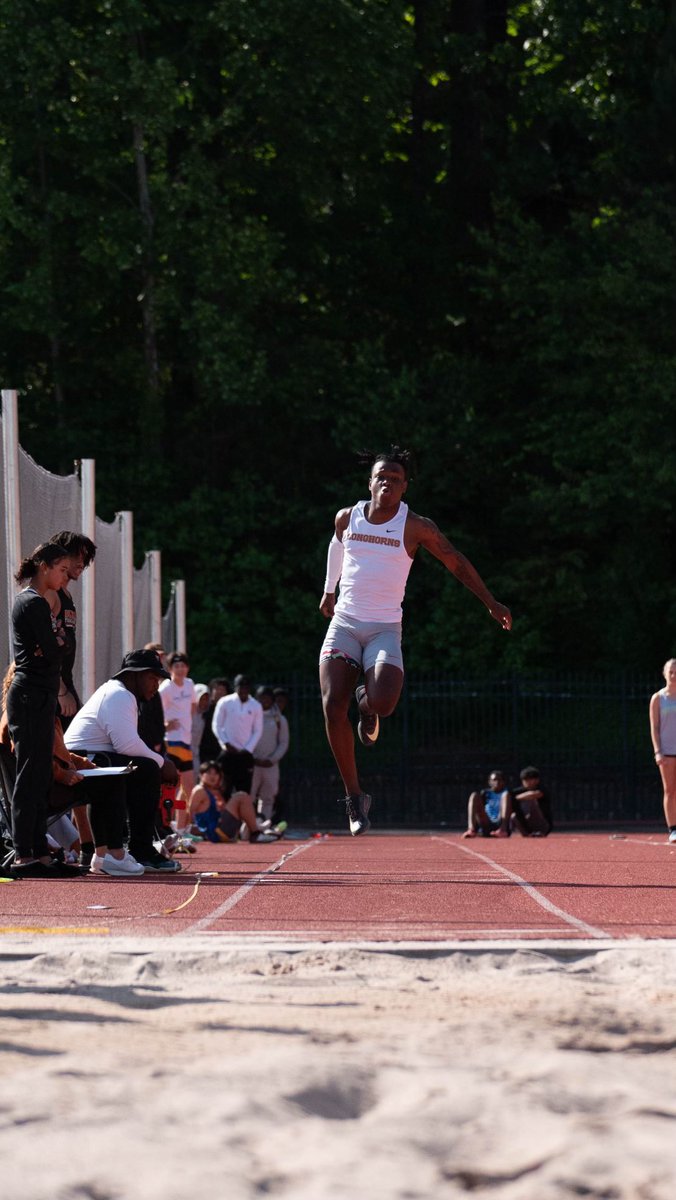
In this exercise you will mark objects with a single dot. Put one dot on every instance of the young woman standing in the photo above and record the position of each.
(663, 734)
(31, 708)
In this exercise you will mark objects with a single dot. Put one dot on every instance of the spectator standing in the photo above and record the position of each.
(151, 712)
(31, 708)
(210, 747)
(662, 713)
(268, 752)
(198, 718)
(238, 724)
(178, 701)
(81, 553)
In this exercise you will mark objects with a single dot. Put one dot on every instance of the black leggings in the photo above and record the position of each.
(107, 808)
(30, 715)
(142, 788)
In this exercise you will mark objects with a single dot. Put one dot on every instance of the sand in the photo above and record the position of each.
(206, 1067)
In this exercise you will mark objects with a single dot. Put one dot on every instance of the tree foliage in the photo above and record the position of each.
(240, 239)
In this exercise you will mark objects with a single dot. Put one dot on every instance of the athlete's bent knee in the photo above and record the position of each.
(335, 709)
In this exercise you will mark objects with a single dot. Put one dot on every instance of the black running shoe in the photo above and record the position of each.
(163, 866)
(369, 723)
(357, 808)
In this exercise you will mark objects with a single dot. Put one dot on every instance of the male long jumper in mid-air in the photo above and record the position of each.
(370, 553)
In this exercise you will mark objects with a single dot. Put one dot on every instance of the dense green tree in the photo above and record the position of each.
(238, 241)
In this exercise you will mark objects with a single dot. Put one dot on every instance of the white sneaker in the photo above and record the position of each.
(107, 865)
(672, 836)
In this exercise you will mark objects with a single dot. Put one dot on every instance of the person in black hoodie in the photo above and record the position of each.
(31, 708)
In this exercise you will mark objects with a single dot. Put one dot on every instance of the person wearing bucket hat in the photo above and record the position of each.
(142, 660)
(106, 731)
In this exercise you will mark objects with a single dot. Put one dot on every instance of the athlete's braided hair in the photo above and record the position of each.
(395, 454)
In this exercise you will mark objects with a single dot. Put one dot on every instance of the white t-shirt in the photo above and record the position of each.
(107, 722)
(177, 702)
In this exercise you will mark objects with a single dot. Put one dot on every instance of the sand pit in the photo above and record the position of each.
(191, 1067)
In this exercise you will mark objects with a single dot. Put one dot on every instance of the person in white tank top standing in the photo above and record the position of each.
(371, 553)
(663, 733)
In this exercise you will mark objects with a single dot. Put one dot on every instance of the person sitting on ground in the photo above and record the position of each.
(489, 811)
(532, 807)
(105, 730)
(217, 819)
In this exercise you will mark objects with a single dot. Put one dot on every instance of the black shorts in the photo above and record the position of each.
(229, 824)
(237, 768)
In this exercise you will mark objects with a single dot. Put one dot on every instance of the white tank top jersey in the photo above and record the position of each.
(667, 723)
(375, 567)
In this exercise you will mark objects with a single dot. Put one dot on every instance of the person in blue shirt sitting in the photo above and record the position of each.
(489, 811)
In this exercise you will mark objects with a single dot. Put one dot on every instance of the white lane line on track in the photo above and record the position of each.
(240, 894)
(589, 930)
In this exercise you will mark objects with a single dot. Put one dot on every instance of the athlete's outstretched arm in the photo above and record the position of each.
(334, 564)
(429, 536)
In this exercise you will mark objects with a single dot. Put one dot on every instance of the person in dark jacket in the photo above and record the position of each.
(31, 708)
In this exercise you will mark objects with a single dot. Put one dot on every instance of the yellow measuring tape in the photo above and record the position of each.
(165, 912)
(67, 929)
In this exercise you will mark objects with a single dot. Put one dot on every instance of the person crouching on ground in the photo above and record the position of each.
(489, 811)
(105, 730)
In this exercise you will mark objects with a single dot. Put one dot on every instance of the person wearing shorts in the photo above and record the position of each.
(179, 703)
(662, 712)
(370, 553)
(220, 820)
(489, 811)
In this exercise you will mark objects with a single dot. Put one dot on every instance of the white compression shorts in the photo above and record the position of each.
(362, 644)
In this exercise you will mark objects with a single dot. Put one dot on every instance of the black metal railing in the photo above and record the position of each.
(588, 735)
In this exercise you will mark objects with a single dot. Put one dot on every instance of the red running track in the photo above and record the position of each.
(388, 887)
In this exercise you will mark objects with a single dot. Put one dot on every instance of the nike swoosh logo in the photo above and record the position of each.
(389, 531)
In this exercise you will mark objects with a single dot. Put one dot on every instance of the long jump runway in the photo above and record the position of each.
(431, 887)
